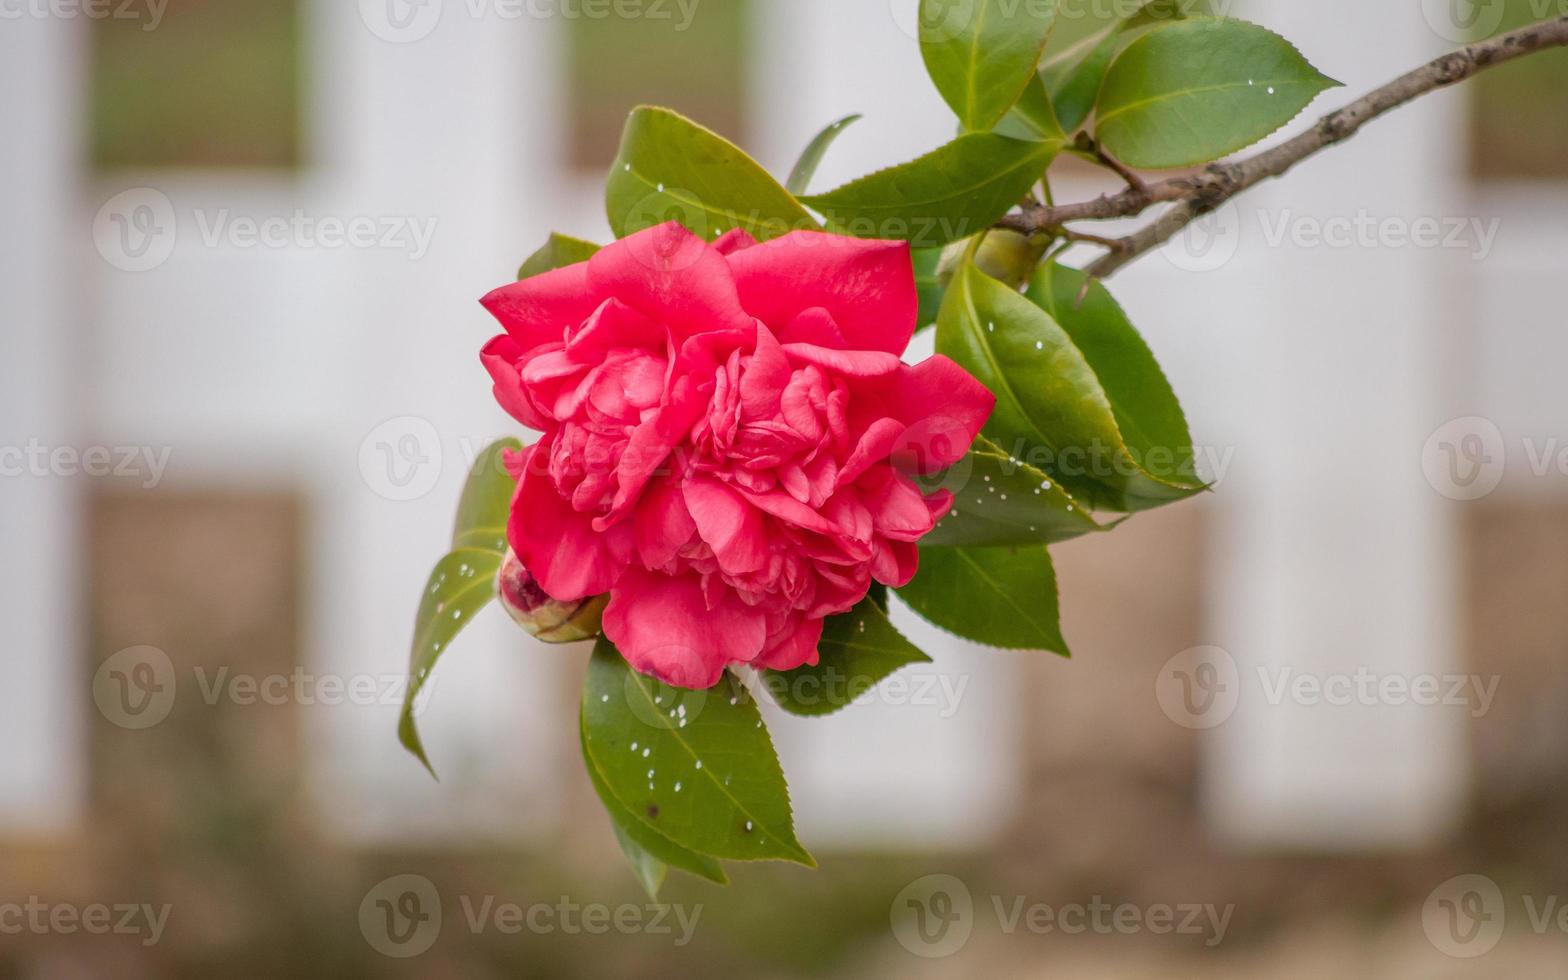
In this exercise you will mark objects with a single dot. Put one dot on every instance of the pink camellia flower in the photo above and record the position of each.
(729, 437)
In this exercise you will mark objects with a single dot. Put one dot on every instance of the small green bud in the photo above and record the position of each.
(543, 617)
(1005, 256)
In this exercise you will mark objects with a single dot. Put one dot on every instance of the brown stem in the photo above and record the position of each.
(1200, 193)
(1086, 238)
(1135, 183)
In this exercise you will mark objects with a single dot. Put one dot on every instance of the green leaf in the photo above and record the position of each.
(486, 502)
(649, 851)
(1003, 597)
(463, 582)
(927, 284)
(650, 871)
(1157, 12)
(1033, 118)
(981, 53)
(671, 169)
(1195, 90)
(811, 158)
(857, 650)
(1073, 77)
(1074, 87)
(715, 785)
(560, 251)
(998, 499)
(878, 594)
(1146, 408)
(1051, 409)
(950, 193)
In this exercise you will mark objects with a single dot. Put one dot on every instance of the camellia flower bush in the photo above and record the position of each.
(735, 462)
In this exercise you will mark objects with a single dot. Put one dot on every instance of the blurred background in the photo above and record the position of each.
(1314, 722)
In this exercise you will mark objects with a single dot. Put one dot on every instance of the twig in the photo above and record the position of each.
(1073, 235)
(1089, 145)
(1198, 194)
(1125, 204)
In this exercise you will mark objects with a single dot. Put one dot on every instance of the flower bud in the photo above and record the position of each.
(545, 618)
(1005, 256)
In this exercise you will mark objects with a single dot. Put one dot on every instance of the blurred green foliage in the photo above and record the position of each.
(215, 83)
(695, 66)
(1519, 111)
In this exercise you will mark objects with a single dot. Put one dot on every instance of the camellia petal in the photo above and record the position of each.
(500, 358)
(854, 363)
(868, 286)
(614, 325)
(670, 274)
(733, 241)
(895, 562)
(797, 649)
(817, 327)
(898, 509)
(665, 627)
(944, 408)
(728, 524)
(875, 445)
(557, 544)
(663, 524)
(538, 310)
